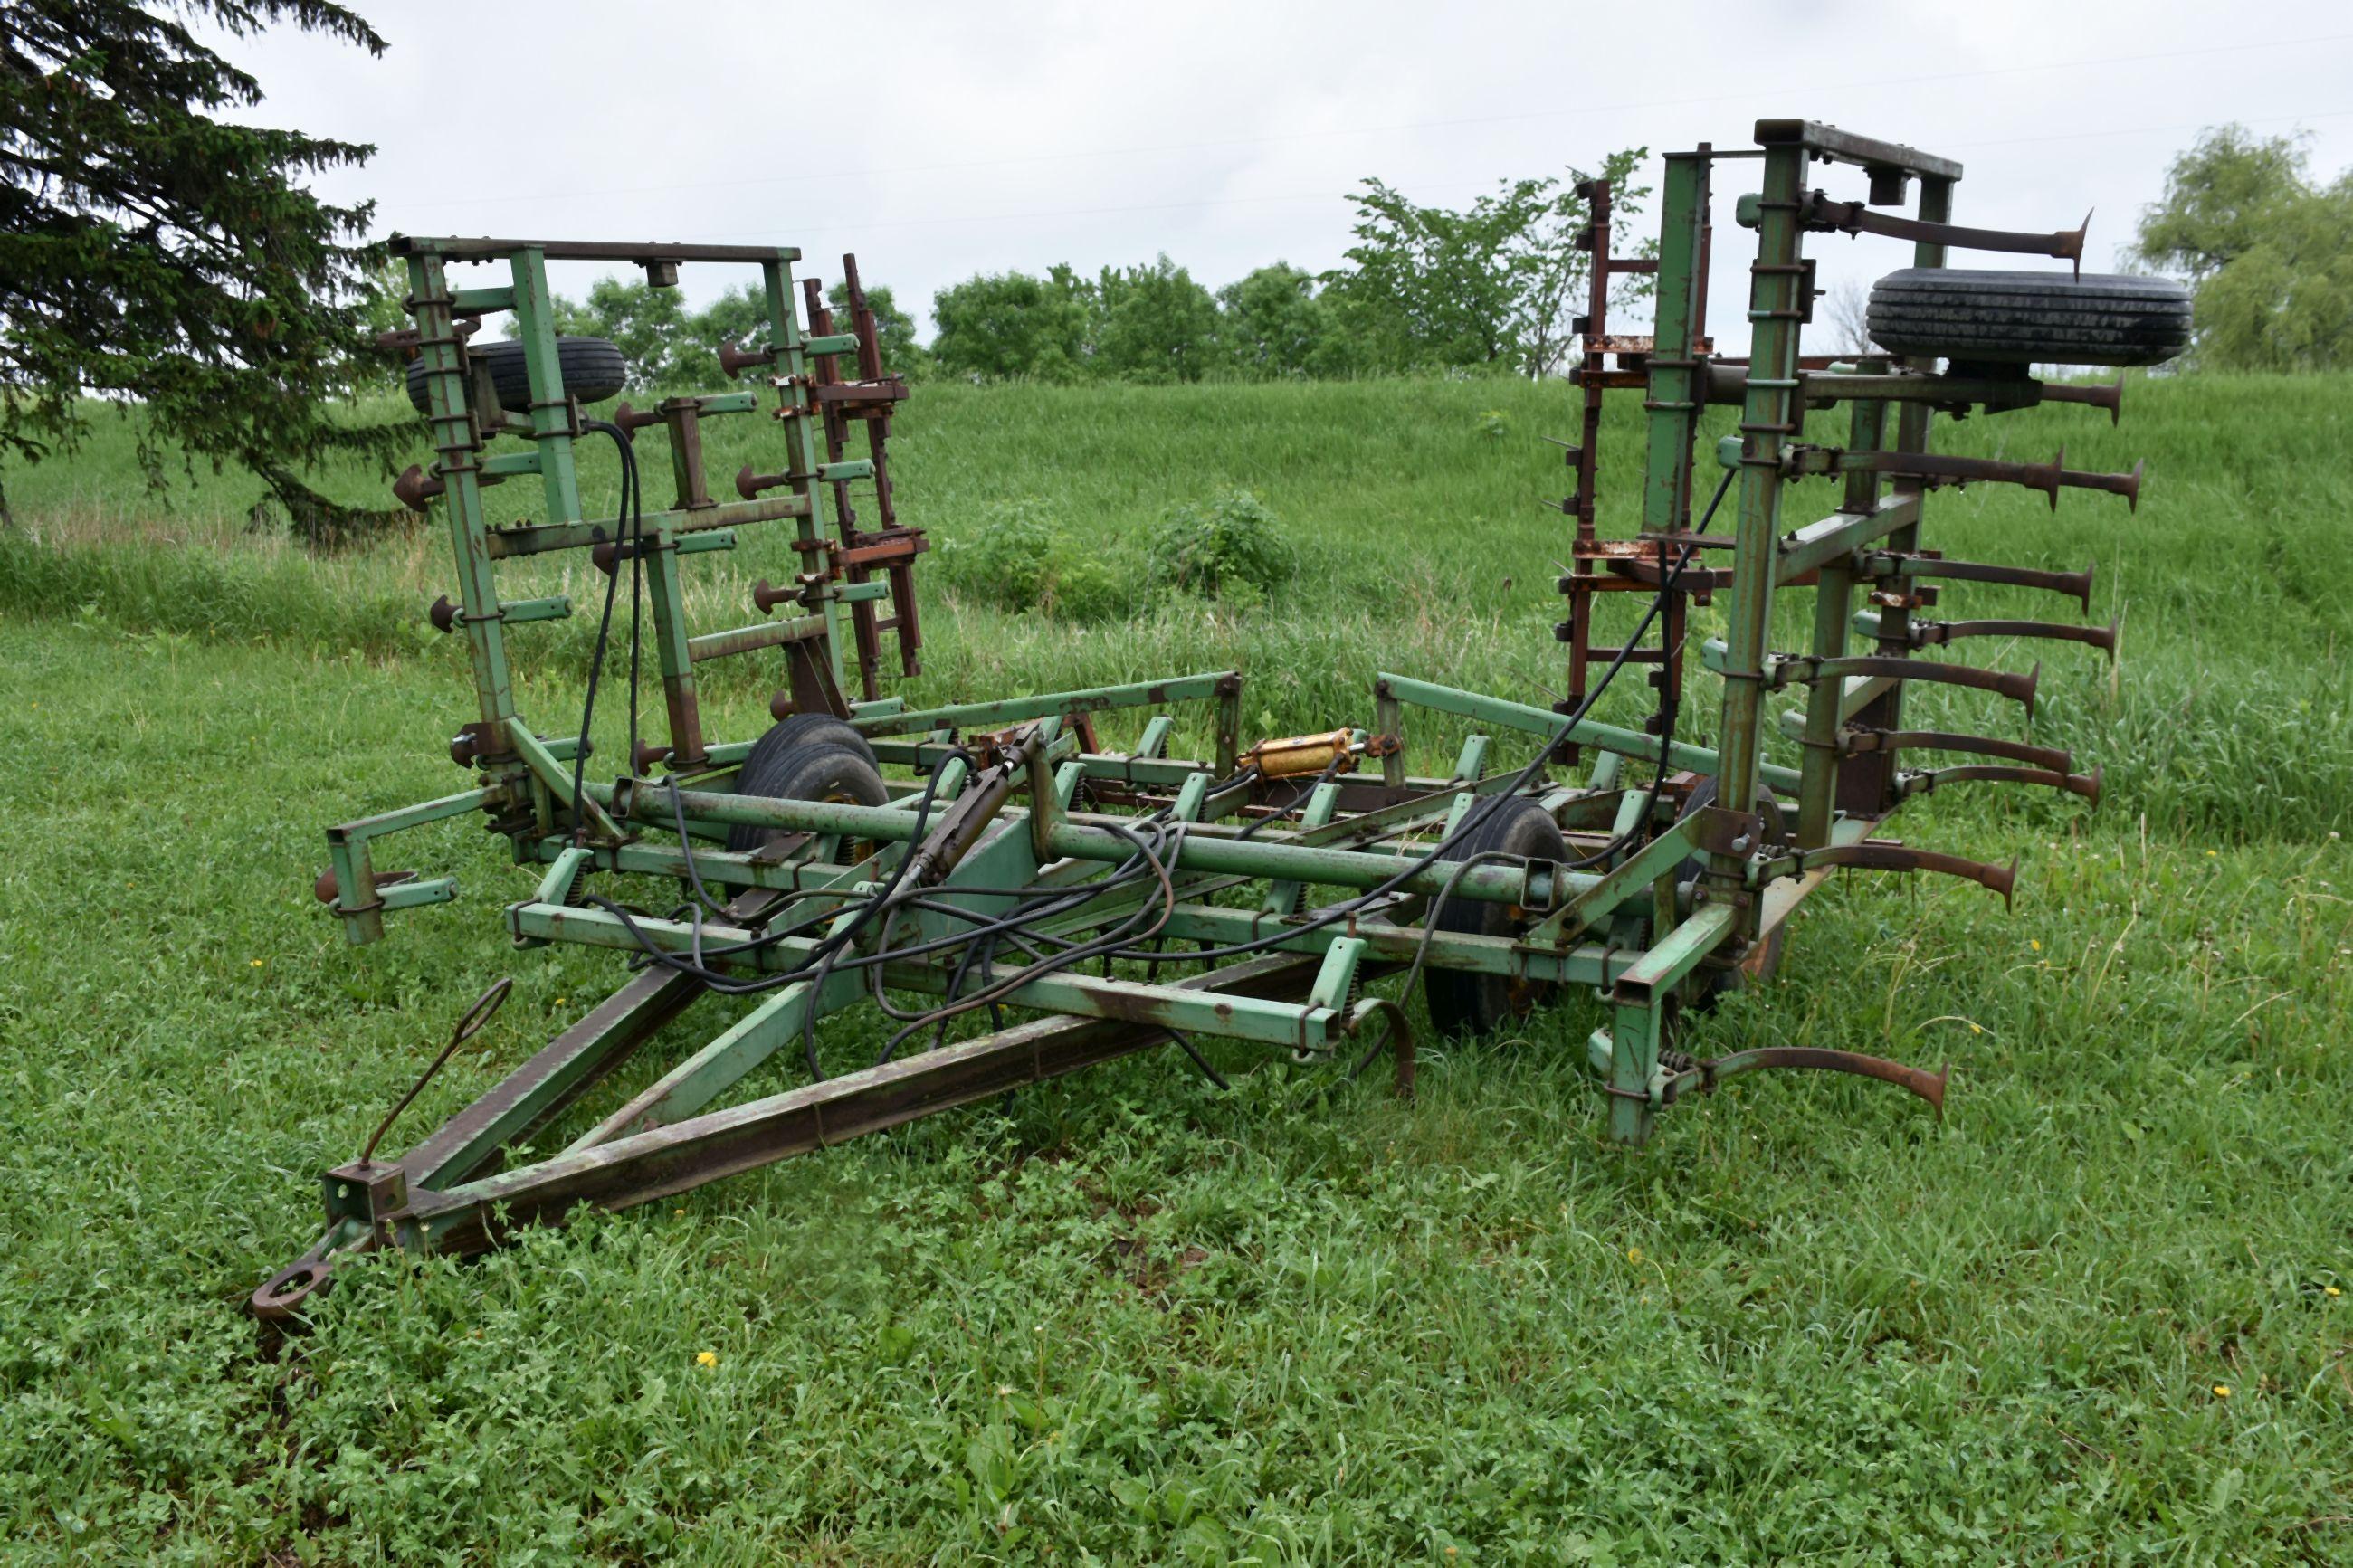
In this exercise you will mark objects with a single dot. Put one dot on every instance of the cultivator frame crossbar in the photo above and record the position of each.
(1015, 846)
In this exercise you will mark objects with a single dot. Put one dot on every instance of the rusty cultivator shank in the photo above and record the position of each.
(1003, 899)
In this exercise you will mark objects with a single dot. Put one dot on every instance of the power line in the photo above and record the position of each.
(2147, 129)
(1620, 108)
(802, 231)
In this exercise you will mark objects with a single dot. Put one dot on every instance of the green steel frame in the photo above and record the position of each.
(1017, 791)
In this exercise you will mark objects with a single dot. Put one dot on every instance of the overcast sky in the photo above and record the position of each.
(938, 140)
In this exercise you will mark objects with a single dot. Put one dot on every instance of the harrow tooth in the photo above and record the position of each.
(767, 597)
(2076, 585)
(1931, 779)
(2124, 485)
(415, 489)
(1871, 857)
(1808, 668)
(750, 482)
(2050, 757)
(1702, 1077)
(328, 886)
(634, 419)
(2110, 396)
(1932, 469)
(1819, 211)
(736, 361)
(1935, 634)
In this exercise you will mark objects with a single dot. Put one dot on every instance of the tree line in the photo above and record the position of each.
(1494, 288)
(2266, 249)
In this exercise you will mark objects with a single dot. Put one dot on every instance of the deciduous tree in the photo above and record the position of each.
(2268, 253)
(671, 349)
(1004, 325)
(1153, 323)
(663, 345)
(1273, 323)
(895, 329)
(1496, 284)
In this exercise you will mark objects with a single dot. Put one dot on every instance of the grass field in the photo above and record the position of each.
(2094, 1316)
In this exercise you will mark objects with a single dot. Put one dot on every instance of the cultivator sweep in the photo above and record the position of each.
(993, 862)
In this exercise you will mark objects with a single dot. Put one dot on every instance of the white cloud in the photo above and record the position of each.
(939, 140)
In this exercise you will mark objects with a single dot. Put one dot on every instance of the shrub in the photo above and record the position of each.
(1230, 545)
(1017, 560)
(1086, 588)
(1009, 561)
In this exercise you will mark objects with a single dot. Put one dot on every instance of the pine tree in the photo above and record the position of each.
(154, 255)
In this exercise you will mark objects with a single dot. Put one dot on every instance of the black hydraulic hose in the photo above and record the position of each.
(1671, 707)
(1666, 747)
(1047, 903)
(1106, 945)
(627, 525)
(825, 947)
(1487, 806)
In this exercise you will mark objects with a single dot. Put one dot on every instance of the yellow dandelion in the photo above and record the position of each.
(560, 1001)
(1977, 1028)
(706, 1358)
(2332, 1289)
(2035, 943)
(2222, 1391)
(1633, 1255)
(257, 963)
(2211, 853)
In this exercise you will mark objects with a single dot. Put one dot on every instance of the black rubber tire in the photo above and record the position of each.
(801, 730)
(1460, 1002)
(593, 370)
(809, 770)
(1997, 317)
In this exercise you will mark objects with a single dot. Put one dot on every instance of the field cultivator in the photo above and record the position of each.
(999, 898)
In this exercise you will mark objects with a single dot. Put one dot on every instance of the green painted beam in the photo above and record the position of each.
(1843, 534)
(1013, 710)
(1534, 721)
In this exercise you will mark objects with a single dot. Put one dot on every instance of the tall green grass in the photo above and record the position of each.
(2099, 1313)
(1418, 511)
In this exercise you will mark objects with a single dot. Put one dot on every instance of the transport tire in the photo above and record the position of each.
(1990, 316)
(801, 729)
(593, 370)
(1462, 1002)
(806, 769)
